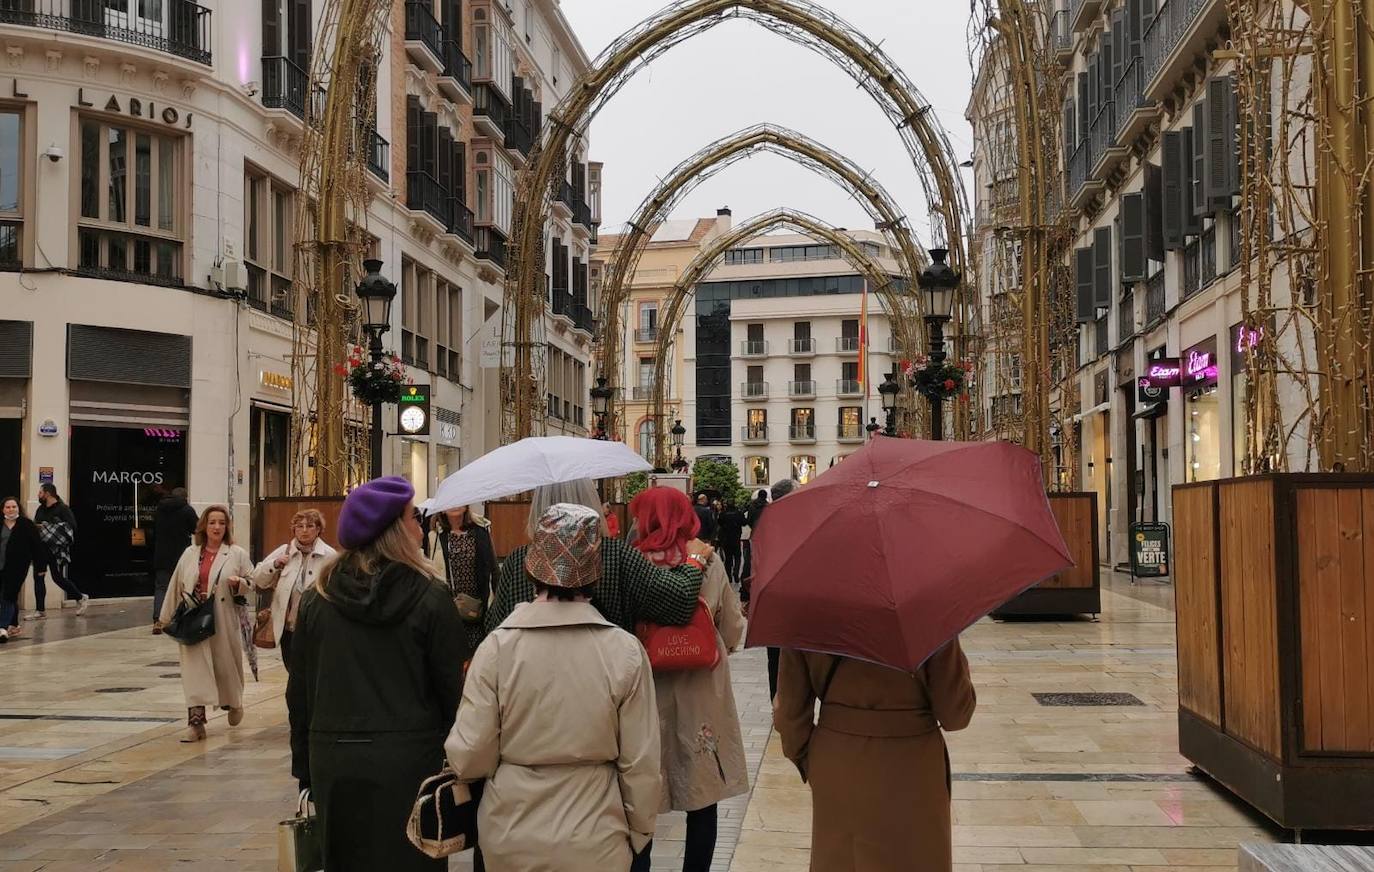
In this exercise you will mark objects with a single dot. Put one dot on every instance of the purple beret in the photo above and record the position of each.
(370, 508)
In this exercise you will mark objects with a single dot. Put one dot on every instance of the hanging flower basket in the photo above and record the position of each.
(939, 381)
(370, 382)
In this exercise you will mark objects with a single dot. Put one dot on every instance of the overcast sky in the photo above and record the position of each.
(738, 74)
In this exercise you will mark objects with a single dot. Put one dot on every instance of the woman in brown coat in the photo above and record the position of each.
(212, 670)
(876, 760)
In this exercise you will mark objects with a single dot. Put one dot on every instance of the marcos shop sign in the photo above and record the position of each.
(118, 476)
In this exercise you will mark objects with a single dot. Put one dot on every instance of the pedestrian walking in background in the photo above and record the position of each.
(751, 519)
(376, 674)
(20, 549)
(707, 516)
(876, 759)
(289, 571)
(174, 523)
(703, 750)
(57, 529)
(730, 532)
(213, 568)
(558, 716)
(464, 559)
(631, 588)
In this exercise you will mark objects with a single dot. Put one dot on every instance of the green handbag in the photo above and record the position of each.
(299, 848)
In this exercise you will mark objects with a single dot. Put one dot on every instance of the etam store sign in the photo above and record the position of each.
(124, 476)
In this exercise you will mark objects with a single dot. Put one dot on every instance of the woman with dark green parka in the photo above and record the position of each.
(376, 676)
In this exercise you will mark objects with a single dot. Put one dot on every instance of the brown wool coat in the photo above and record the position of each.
(876, 760)
(703, 751)
(212, 671)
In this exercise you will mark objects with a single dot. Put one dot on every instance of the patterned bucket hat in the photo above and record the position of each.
(566, 551)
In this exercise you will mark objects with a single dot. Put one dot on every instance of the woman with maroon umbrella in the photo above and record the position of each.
(866, 577)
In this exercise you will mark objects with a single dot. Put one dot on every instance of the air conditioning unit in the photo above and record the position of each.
(235, 275)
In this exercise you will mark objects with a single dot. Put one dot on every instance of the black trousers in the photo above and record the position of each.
(701, 843)
(774, 654)
(731, 550)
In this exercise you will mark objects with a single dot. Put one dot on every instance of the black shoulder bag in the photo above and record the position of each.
(194, 620)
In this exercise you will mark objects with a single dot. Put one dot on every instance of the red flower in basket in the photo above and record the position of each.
(340, 369)
(949, 384)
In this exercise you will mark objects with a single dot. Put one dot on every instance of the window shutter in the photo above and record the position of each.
(413, 133)
(1135, 21)
(1083, 111)
(1083, 265)
(1154, 214)
(1174, 183)
(444, 172)
(1133, 267)
(429, 128)
(1119, 42)
(1102, 268)
(298, 33)
(1201, 204)
(1094, 85)
(1223, 174)
(1192, 224)
(460, 172)
(271, 28)
(1070, 123)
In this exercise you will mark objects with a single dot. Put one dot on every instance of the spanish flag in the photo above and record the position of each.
(863, 340)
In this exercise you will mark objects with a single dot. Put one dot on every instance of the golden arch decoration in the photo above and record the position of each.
(900, 306)
(660, 202)
(806, 23)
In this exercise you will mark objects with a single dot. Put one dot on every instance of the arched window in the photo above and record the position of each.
(647, 442)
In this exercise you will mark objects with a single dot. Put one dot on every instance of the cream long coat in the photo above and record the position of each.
(283, 581)
(703, 751)
(558, 715)
(211, 671)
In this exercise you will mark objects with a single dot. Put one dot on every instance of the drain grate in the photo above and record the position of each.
(1086, 699)
(166, 663)
(118, 689)
(170, 675)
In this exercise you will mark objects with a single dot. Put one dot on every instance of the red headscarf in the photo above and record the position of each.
(666, 522)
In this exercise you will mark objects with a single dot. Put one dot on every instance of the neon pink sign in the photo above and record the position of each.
(1201, 366)
(1247, 338)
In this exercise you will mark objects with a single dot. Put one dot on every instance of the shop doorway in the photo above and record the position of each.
(269, 464)
(11, 450)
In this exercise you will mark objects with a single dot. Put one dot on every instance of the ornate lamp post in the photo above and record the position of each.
(679, 435)
(939, 283)
(376, 294)
(889, 390)
(601, 404)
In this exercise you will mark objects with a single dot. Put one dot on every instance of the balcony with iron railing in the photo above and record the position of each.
(642, 393)
(1208, 268)
(645, 335)
(561, 302)
(802, 347)
(491, 246)
(1133, 111)
(1125, 318)
(178, 27)
(563, 198)
(850, 433)
(519, 137)
(753, 348)
(756, 434)
(455, 79)
(846, 344)
(1082, 185)
(753, 391)
(1155, 305)
(581, 212)
(424, 36)
(490, 110)
(284, 85)
(1061, 36)
(583, 319)
(1105, 151)
(1192, 269)
(802, 433)
(378, 154)
(1181, 31)
(1101, 341)
(424, 194)
(460, 220)
(848, 387)
(1081, 14)
(805, 389)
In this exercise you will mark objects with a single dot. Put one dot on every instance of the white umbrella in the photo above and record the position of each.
(532, 462)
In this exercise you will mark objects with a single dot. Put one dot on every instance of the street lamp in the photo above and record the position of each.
(679, 434)
(889, 390)
(601, 404)
(376, 294)
(939, 283)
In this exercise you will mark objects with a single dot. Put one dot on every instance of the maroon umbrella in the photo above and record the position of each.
(889, 555)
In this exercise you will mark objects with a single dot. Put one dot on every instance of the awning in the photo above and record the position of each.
(1100, 407)
(1154, 410)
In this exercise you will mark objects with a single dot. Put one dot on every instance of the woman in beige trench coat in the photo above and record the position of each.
(212, 670)
(558, 715)
(876, 760)
(703, 750)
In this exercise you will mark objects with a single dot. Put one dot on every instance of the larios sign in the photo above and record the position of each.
(136, 108)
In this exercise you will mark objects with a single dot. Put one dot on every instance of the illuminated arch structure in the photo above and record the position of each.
(659, 205)
(806, 23)
(899, 305)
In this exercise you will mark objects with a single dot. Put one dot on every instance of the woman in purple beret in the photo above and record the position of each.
(376, 675)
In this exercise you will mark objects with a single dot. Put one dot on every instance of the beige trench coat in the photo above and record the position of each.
(282, 581)
(876, 758)
(703, 751)
(558, 715)
(211, 671)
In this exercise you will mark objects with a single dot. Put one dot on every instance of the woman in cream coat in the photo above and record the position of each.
(212, 670)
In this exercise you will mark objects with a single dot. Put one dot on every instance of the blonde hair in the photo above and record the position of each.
(204, 521)
(581, 492)
(308, 516)
(394, 545)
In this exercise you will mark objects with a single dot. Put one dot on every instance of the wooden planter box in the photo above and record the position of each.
(508, 520)
(1274, 579)
(1077, 591)
(274, 516)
